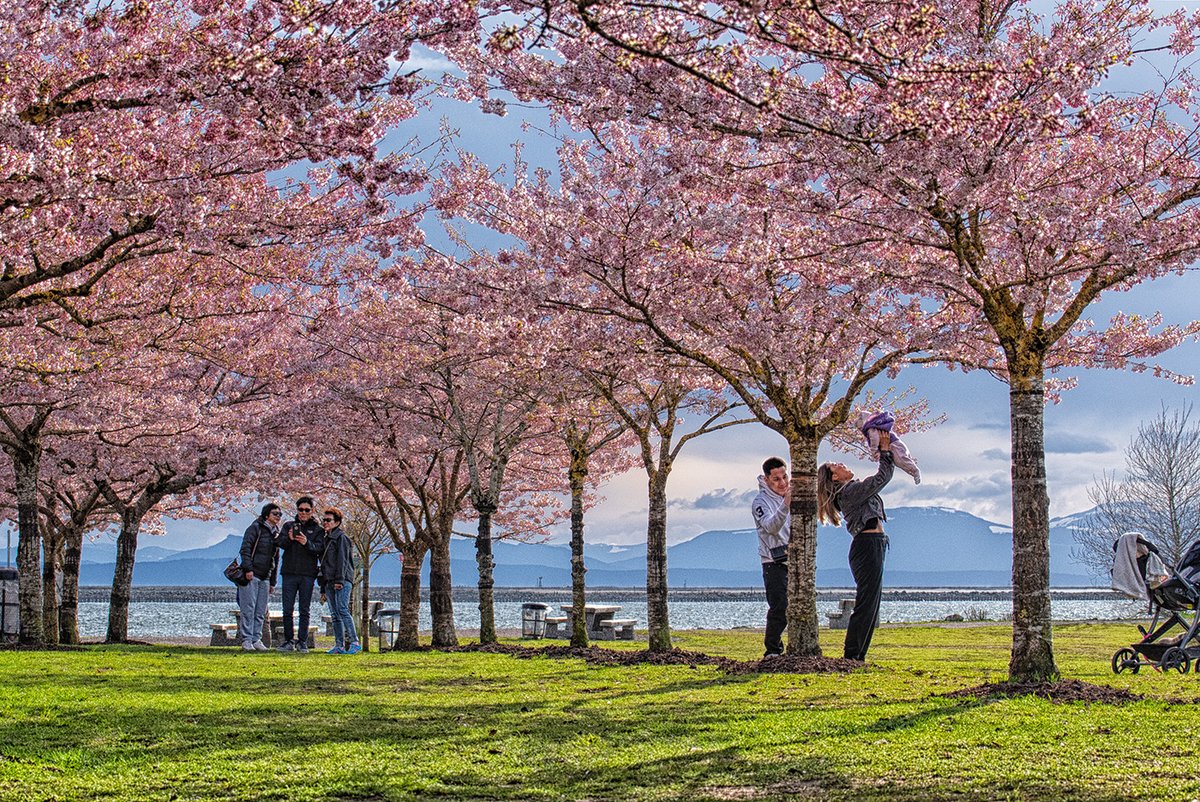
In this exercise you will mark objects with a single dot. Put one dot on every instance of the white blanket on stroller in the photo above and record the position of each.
(1126, 578)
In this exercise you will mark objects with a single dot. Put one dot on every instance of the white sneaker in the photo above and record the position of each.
(248, 646)
(259, 646)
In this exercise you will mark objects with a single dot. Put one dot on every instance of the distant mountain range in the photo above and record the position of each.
(930, 547)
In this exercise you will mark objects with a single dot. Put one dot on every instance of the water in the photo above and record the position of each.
(151, 619)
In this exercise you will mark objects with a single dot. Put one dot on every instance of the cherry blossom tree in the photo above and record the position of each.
(490, 418)
(1045, 194)
(804, 76)
(584, 436)
(736, 276)
(49, 367)
(197, 424)
(416, 502)
(21, 439)
(137, 129)
(72, 505)
(487, 376)
(657, 402)
(407, 521)
(387, 442)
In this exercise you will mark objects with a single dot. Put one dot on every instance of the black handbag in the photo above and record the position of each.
(235, 574)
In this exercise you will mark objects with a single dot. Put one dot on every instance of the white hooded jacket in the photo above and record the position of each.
(772, 518)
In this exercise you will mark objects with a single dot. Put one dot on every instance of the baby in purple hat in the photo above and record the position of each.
(871, 424)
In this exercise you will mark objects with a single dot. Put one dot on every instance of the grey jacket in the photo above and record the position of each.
(337, 562)
(859, 501)
(772, 518)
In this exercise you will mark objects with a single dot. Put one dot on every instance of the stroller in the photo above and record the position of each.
(1174, 598)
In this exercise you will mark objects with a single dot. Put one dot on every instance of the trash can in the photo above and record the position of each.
(533, 619)
(10, 609)
(388, 622)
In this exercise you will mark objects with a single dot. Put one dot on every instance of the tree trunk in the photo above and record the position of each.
(26, 465)
(52, 548)
(576, 475)
(410, 597)
(802, 549)
(68, 607)
(483, 558)
(118, 603)
(1032, 646)
(659, 639)
(441, 596)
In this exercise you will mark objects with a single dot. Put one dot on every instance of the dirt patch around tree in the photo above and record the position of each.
(1061, 692)
(595, 655)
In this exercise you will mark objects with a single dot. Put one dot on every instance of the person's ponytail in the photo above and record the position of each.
(827, 512)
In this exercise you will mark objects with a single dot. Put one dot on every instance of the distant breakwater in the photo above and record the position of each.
(563, 595)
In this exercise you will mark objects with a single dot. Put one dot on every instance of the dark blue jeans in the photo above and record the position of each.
(866, 564)
(344, 633)
(775, 580)
(294, 584)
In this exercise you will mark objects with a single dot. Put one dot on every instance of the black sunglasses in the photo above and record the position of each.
(328, 520)
(304, 509)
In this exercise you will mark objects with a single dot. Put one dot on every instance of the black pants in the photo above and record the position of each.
(295, 585)
(866, 564)
(775, 581)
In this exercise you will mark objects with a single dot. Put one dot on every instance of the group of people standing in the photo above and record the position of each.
(839, 496)
(313, 554)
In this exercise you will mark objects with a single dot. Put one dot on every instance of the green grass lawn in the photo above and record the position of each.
(183, 723)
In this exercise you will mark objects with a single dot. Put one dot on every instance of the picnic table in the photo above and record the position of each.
(272, 630)
(600, 620)
(593, 614)
(274, 621)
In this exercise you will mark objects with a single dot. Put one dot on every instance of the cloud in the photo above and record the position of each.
(426, 60)
(1076, 443)
(719, 499)
(986, 426)
(996, 454)
(957, 492)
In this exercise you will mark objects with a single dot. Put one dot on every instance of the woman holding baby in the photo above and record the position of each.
(840, 496)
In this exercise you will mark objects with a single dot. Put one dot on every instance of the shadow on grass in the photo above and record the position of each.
(167, 724)
(922, 718)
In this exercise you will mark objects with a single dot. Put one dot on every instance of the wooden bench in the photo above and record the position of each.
(223, 635)
(616, 629)
(556, 626)
(841, 619)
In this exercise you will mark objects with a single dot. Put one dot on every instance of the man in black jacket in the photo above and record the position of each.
(301, 542)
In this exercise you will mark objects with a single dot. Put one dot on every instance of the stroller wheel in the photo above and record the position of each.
(1175, 659)
(1125, 660)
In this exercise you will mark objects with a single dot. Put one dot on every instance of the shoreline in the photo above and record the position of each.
(473, 634)
(218, 593)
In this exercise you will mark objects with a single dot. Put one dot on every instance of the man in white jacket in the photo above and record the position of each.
(773, 518)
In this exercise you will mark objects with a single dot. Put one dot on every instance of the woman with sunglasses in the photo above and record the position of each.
(337, 579)
(260, 566)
